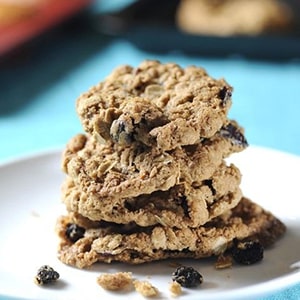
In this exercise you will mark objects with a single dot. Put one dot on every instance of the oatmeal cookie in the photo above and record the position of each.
(113, 172)
(138, 245)
(233, 17)
(180, 206)
(110, 171)
(159, 105)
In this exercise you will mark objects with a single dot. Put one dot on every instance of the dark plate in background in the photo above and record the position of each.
(151, 26)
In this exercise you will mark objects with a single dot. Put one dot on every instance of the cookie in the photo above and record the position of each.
(180, 206)
(110, 171)
(135, 245)
(233, 17)
(113, 172)
(159, 105)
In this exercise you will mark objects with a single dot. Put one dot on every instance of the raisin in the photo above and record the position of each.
(45, 275)
(121, 131)
(187, 276)
(182, 201)
(234, 134)
(225, 95)
(247, 252)
(74, 232)
(209, 183)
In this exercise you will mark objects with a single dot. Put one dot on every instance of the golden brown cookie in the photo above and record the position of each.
(159, 105)
(180, 206)
(233, 17)
(112, 242)
(109, 171)
(114, 172)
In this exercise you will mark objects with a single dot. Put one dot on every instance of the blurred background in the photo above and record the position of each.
(53, 50)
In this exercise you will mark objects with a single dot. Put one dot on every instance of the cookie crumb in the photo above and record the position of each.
(175, 288)
(145, 288)
(115, 282)
(45, 275)
(223, 262)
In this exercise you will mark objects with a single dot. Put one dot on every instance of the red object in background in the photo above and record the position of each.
(48, 15)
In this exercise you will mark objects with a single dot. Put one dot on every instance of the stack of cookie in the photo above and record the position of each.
(148, 180)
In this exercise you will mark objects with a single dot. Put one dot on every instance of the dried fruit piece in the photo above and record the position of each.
(74, 232)
(187, 276)
(225, 95)
(247, 252)
(122, 130)
(234, 134)
(45, 275)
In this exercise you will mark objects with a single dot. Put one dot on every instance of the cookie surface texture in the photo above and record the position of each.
(159, 105)
(110, 172)
(149, 179)
(181, 206)
(110, 242)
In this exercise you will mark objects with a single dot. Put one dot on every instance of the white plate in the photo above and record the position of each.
(30, 204)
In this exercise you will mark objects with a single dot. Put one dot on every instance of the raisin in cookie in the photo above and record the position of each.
(135, 245)
(180, 206)
(112, 171)
(159, 105)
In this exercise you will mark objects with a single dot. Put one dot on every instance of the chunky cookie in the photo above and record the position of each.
(159, 105)
(233, 17)
(180, 206)
(134, 244)
(110, 171)
(114, 172)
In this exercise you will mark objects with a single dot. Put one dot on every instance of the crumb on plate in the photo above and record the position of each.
(115, 282)
(175, 288)
(145, 288)
(223, 262)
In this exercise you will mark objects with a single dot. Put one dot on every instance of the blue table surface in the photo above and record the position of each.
(39, 86)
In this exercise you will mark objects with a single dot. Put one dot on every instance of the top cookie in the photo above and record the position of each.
(160, 105)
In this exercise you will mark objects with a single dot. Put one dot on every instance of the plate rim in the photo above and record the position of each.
(259, 289)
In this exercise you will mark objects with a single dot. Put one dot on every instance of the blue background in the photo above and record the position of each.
(39, 86)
